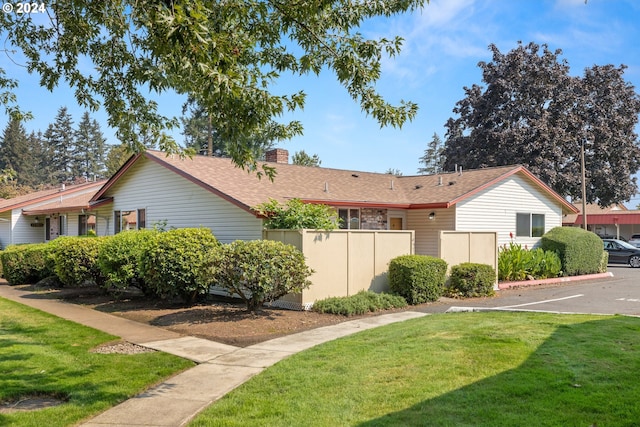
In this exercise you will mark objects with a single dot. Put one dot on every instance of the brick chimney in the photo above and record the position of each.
(277, 155)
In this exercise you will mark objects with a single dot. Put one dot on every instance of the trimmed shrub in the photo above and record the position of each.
(360, 303)
(26, 263)
(580, 251)
(418, 278)
(180, 263)
(471, 280)
(119, 260)
(76, 260)
(261, 271)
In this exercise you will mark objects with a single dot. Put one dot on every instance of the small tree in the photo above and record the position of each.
(433, 157)
(296, 215)
(261, 271)
(303, 159)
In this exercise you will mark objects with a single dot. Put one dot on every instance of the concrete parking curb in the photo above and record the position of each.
(509, 285)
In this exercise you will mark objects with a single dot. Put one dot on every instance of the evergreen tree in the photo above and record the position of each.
(59, 138)
(16, 154)
(41, 155)
(433, 158)
(116, 157)
(89, 149)
(99, 148)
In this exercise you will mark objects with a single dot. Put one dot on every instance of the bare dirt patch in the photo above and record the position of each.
(218, 319)
(31, 403)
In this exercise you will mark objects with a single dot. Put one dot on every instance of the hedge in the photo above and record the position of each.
(180, 263)
(28, 263)
(119, 260)
(472, 280)
(76, 259)
(418, 278)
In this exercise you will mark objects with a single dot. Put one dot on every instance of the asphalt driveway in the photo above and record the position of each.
(616, 295)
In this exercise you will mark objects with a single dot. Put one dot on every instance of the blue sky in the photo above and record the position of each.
(443, 45)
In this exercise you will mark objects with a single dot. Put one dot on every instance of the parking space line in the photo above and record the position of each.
(541, 302)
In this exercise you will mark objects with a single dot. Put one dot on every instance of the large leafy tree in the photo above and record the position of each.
(533, 112)
(226, 55)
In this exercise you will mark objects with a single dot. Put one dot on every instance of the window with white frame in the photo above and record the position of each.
(529, 224)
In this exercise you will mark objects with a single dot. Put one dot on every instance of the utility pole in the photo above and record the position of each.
(584, 188)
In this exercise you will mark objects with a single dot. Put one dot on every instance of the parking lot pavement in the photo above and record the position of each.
(619, 294)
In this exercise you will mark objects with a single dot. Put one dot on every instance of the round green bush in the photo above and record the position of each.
(580, 251)
(76, 259)
(26, 263)
(261, 271)
(119, 260)
(180, 263)
(418, 278)
(472, 280)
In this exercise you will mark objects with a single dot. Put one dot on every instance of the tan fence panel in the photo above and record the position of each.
(480, 247)
(345, 261)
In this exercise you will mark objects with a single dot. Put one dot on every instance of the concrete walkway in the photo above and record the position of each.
(220, 369)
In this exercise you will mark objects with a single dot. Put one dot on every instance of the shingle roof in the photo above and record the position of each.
(64, 198)
(331, 186)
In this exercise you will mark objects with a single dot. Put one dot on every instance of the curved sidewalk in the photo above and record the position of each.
(220, 369)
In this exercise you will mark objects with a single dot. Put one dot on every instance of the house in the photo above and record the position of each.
(212, 192)
(614, 221)
(44, 215)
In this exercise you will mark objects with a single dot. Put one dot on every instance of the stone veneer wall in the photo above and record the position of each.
(373, 219)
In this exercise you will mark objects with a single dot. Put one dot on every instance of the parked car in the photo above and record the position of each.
(606, 236)
(622, 252)
(635, 240)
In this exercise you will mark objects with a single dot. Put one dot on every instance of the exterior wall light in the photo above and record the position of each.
(432, 216)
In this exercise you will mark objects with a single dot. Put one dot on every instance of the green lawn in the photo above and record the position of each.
(465, 369)
(41, 354)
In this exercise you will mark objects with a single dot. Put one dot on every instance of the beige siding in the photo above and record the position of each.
(428, 230)
(495, 208)
(169, 197)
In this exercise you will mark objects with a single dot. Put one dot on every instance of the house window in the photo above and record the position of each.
(529, 225)
(117, 222)
(142, 218)
(83, 223)
(349, 218)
